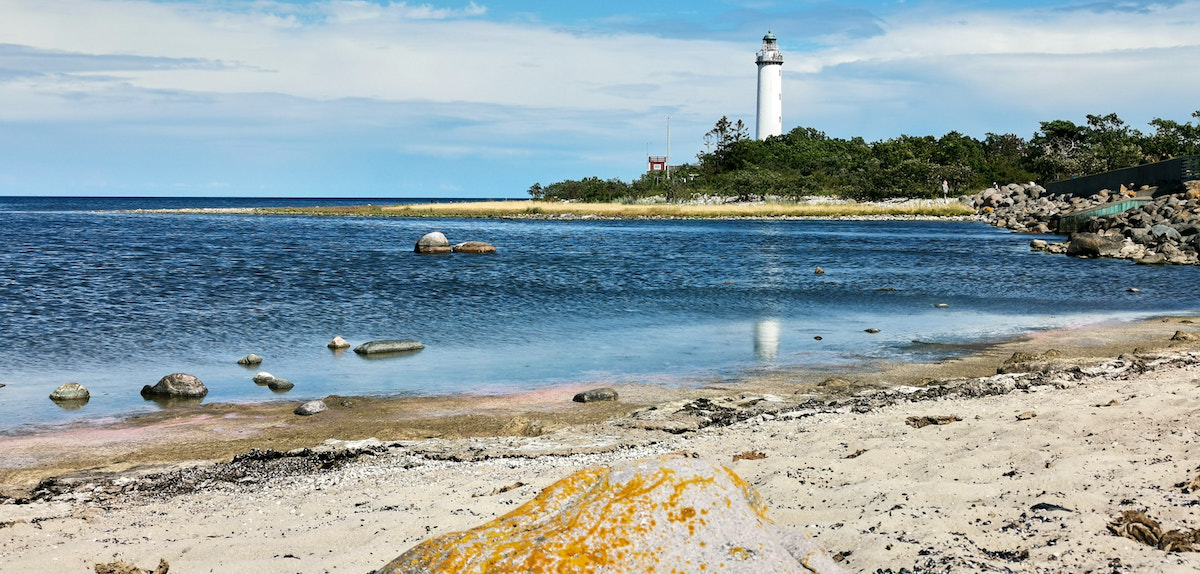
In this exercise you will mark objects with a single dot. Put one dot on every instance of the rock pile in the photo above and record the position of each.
(436, 243)
(1164, 230)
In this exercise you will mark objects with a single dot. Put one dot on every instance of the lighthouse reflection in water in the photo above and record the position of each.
(766, 339)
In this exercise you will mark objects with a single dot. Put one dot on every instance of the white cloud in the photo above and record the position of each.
(982, 71)
(426, 82)
(396, 52)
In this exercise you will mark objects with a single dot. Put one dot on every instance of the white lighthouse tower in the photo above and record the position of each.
(770, 89)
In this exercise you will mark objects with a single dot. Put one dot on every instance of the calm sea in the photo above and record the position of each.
(115, 300)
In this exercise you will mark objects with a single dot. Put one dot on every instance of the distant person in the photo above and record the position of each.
(945, 189)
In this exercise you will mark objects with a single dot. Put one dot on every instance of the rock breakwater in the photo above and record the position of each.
(1160, 227)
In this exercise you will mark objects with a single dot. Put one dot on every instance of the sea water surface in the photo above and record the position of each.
(115, 301)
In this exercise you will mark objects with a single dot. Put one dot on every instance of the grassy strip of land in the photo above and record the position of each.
(533, 209)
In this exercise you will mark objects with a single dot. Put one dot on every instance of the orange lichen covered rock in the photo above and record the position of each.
(669, 514)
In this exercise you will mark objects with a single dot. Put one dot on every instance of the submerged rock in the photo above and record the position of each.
(669, 514)
(263, 378)
(432, 243)
(176, 385)
(70, 392)
(277, 384)
(250, 359)
(388, 346)
(474, 247)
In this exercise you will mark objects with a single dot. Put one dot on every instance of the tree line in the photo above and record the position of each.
(806, 162)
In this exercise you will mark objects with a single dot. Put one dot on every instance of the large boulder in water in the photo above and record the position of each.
(1093, 245)
(70, 392)
(176, 385)
(388, 346)
(434, 242)
(338, 343)
(669, 514)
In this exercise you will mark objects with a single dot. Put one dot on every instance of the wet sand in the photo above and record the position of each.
(956, 496)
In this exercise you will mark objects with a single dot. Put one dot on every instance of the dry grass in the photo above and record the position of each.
(530, 208)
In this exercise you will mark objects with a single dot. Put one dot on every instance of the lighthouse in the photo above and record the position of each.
(770, 89)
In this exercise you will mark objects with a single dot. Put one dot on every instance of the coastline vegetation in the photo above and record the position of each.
(551, 209)
(806, 162)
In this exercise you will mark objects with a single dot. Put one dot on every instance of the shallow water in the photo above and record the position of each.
(115, 301)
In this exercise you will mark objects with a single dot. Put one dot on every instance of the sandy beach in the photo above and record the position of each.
(1025, 475)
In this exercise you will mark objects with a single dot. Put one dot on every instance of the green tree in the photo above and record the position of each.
(1059, 150)
(1172, 139)
(1111, 144)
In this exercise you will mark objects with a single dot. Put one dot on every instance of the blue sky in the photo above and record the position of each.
(483, 99)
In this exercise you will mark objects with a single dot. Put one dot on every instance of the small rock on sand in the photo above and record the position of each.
(310, 408)
(122, 567)
(596, 395)
(918, 422)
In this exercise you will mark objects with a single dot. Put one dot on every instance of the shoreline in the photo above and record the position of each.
(1082, 436)
(913, 209)
(214, 431)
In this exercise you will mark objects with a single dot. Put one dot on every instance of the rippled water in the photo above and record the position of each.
(115, 301)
